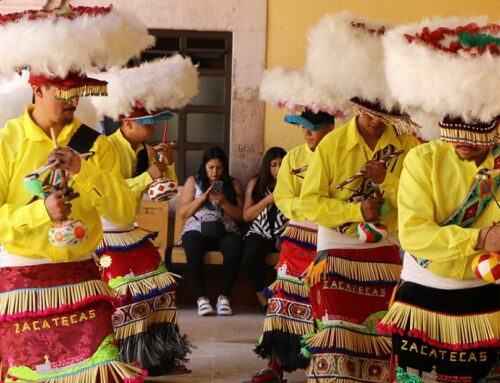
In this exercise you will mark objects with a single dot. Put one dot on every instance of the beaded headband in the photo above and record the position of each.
(401, 121)
(455, 130)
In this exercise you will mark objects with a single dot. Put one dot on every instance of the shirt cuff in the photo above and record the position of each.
(33, 215)
(354, 213)
(390, 184)
(468, 241)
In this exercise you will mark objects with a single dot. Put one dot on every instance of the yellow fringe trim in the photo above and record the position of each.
(298, 288)
(364, 271)
(144, 286)
(19, 301)
(402, 123)
(123, 238)
(281, 324)
(112, 372)
(81, 91)
(141, 326)
(315, 273)
(300, 234)
(450, 329)
(468, 135)
(351, 340)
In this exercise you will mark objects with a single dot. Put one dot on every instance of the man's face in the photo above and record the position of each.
(56, 111)
(370, 125)
(469, 152)
(139, 133)
(314, 138)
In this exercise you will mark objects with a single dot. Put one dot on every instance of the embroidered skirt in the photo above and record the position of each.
(289, 314)
(145, 322)
(445, 335)
(353, 299)
(55, 326)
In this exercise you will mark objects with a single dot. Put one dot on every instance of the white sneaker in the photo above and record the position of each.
(223, 306)
(204, 307)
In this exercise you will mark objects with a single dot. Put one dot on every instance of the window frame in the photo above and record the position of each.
(183, 35)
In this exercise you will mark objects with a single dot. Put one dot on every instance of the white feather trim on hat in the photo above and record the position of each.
(295, 91)
(54, 46)
(15, 95)
(429, 124)
(167, 83)
(459, 84)
(345, 55)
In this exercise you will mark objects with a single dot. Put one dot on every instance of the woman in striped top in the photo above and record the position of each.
(267, 222)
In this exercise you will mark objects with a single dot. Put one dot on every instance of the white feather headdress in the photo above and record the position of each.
(75, 39)
(167, 83)
(345, 55)
(296, 91)
(463, 84)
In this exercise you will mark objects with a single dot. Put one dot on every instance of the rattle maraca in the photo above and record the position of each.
(487, 267)
(162, 189)
(69, 232)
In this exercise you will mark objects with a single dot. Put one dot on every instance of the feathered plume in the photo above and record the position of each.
(78, 39)
(167, 83)
(429, 67)
(345, 55)
(296, 91)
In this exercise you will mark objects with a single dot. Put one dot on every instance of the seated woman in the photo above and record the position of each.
(211, 202)
(267, 222)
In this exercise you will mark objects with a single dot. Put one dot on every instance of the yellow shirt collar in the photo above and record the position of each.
(125, 143)
(35, 133)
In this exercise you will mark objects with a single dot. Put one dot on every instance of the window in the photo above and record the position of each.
(205, 122)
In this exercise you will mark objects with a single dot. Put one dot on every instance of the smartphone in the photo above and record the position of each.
(217, 185)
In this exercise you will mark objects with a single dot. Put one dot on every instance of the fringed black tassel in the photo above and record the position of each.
(283, 348)
(161, 344)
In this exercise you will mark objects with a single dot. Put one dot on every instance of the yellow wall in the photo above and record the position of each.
(289, 20)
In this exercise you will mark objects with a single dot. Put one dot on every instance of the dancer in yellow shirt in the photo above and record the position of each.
(351, 192)
(55, 312)
(289, 315)
(445, 320)
(141, 98)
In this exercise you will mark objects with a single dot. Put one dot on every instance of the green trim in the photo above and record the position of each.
(477, 39)
(369, 325)
(291, 280)
(107, 352)
(403, 377)
(120, 281)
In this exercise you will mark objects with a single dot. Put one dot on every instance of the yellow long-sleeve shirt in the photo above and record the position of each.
(434, 182)
(128, 157)
(24, 147)
(288, 186)
(339, 156)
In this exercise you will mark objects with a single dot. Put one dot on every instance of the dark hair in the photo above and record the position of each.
(216, 153)
(264, 178)
(318, 118)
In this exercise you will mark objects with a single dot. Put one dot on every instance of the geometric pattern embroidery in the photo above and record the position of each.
(477, 200)
(347, 367)
(295, 311)
(138, 311)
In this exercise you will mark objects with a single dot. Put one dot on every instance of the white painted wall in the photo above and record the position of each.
(247, 20)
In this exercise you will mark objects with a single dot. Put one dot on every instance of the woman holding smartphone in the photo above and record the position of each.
(212, 204)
